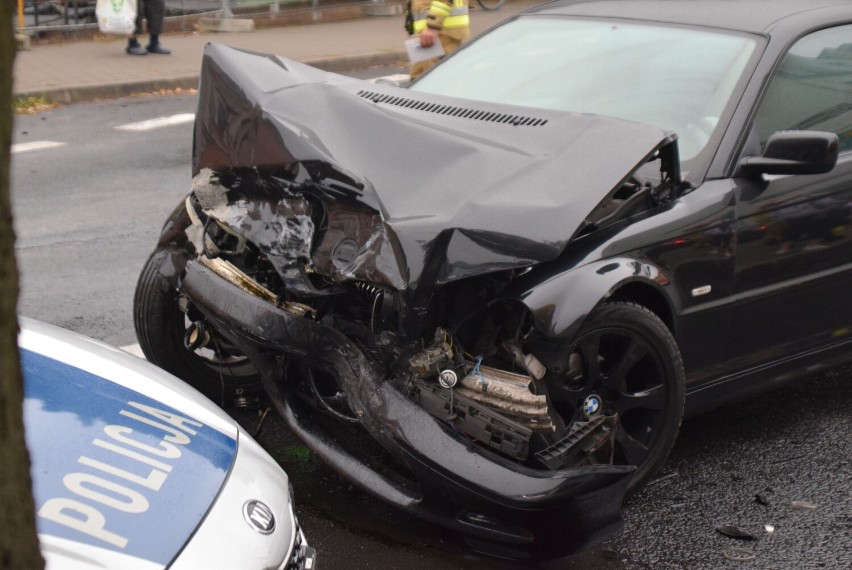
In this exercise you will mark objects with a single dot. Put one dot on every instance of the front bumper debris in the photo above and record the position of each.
(500, 506)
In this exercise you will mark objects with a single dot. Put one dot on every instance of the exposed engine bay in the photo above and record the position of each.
(303, 244)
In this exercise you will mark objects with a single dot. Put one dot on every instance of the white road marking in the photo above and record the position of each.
(35, 145)
(133, 349)
(158, 123)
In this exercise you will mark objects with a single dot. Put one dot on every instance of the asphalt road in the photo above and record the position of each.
(87, 214)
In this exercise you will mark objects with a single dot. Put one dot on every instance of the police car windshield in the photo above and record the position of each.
(677, 78)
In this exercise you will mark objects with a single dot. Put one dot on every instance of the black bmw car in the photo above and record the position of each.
(491, 298)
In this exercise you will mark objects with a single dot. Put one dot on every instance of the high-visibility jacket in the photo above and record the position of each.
(449, 16)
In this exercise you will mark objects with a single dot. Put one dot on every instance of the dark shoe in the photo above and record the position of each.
(157, 48)
(136, 50)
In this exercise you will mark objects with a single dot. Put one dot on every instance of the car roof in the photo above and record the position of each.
(757, 16)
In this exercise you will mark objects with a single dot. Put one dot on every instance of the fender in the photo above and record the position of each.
(173, 230)
(173, 246)
(588, 286)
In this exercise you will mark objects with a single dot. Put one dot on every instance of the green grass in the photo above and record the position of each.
(32, 105)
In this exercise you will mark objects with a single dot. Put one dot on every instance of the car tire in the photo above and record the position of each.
(217, 371)
(637, 372)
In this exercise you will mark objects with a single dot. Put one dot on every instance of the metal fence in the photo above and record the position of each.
(36, 16)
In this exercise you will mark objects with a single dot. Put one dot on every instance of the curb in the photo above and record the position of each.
(358, 62)
(70, 95)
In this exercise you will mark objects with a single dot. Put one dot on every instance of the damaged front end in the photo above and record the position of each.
(378, 302)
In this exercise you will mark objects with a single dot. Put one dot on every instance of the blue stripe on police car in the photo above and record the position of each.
(133, 459)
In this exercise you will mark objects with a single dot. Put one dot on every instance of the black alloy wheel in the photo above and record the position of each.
(164, 326)
(625, 363)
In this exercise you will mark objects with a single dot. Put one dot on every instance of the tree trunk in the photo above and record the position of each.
(18, 540)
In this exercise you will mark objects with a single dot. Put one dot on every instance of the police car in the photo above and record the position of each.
(133, 469)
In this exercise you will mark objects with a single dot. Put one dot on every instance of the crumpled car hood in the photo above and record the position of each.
(463, 187)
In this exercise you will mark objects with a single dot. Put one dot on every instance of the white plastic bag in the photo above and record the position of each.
(116, 16)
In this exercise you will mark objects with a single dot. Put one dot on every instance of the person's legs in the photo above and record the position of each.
(133, 46)
(156, 12)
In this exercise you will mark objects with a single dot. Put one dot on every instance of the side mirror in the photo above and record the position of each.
(795, 152)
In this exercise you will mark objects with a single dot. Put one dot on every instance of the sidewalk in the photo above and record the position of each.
(100, 69)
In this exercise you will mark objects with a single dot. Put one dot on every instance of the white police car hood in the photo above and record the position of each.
(126, 462)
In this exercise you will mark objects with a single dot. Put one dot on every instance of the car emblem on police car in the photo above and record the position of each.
(259, 517)
(591, 405)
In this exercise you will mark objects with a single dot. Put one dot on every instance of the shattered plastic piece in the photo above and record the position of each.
(738, 554)
(734, 532)
(761, 500)
(557, 454)
(662, 478)
(803, 505)
(769, 528)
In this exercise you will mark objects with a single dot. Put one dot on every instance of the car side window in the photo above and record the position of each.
(812, 89)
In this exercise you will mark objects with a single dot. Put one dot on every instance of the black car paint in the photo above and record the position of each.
(545, 512)
(496, 163)
(755, 16)
(722, 211)
(710, 240)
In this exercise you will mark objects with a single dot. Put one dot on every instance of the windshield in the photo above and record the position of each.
(680, 79)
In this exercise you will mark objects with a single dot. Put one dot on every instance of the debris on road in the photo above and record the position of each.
(662, 478)
(739, 554)
(803, 505)
(761, 500)
(734, 532)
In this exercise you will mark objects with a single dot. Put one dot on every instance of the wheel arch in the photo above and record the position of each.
(174, 227)
(561, 303)
(650, 297)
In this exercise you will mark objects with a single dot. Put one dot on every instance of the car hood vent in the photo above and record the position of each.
(453, 110)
